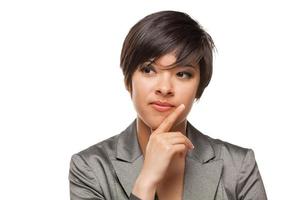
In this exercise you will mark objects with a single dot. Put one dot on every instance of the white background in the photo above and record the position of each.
(61, 88)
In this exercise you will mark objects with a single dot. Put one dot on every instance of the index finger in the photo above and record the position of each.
(168, 122)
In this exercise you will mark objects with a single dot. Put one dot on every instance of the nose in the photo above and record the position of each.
(164, 86)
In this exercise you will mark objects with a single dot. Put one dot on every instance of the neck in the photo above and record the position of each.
(144, 132)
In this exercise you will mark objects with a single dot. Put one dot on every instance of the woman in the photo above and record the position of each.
(167, 63)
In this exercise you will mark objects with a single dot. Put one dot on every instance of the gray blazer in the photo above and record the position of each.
(214, 169)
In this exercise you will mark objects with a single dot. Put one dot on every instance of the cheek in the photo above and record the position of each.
(188, 91)
(140, 89)
(187, 96)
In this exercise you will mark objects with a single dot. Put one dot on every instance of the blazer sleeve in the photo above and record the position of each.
(83, 184)
(250, 185)
(133, 197)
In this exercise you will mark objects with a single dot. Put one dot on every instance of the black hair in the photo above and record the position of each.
(164, 32)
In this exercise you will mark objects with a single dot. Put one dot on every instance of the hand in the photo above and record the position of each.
(161, 148)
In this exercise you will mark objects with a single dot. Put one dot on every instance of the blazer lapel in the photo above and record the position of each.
(201, 180)
(202, 172)
(128, 172)
(129, 158)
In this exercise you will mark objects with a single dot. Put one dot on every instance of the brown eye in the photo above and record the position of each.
(184, 74)
(146, 69)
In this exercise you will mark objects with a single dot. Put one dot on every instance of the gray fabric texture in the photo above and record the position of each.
(214, 169)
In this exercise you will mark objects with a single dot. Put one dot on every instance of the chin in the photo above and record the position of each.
(152, 122)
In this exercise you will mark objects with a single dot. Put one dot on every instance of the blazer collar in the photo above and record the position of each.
(202, 173)
(128, 148)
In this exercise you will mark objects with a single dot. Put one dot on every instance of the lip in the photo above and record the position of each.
(161, 106)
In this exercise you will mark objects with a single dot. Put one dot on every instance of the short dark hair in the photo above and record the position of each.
(164, 32)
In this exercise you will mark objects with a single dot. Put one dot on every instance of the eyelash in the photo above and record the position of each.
(149, 67)
(143, 68)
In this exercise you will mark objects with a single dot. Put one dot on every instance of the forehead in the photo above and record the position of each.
(166, 60)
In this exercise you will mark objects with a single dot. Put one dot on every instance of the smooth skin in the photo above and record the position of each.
(162, 135)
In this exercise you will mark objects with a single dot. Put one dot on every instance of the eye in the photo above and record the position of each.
(146, 69)
(185, 75)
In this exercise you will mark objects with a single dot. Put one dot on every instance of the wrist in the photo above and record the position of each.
(144, 187)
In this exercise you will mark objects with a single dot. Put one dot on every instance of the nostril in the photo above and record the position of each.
(164, 92)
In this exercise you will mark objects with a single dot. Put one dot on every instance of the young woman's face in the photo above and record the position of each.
(155, 83)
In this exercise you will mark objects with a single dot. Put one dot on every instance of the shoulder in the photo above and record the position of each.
(237, 160)
(108, 150)
(91, 170)
(231, 154)
(90, 165)
(102, 150)
(217, 148)
(224, 149)
(240, 171)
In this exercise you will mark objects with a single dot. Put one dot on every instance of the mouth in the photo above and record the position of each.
(161, 106)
